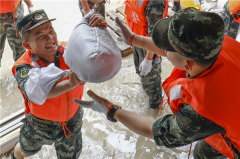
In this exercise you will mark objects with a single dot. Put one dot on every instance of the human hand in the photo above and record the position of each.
(31, 9)
(126, 32)
(88, 16)
(97, 19)
(98, 104)
(73, 80)
(145, 67)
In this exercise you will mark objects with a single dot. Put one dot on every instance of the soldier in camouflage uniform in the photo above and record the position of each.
(99, 8)
(231, 26)
(152, 81)
(187, 124)
(41, 40)
(7, 30)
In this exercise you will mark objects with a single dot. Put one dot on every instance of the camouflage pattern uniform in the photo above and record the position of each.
(100, 7)
(187, 125)
(231, 26)
(7, 30)
(34, 134)
(152, 81)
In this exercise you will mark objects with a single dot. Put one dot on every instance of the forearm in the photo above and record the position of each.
(85, 6)
(59, 88)
(147, 44)
(140, 124)
(29, 3)
(149, 55)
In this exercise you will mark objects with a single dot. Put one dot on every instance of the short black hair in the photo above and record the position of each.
(26, 36)
(199, 62)
(205, 62)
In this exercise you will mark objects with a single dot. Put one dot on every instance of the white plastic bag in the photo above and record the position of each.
(41, 81)
(91, 53)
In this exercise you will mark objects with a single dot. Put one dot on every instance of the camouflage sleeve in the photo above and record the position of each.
(154, 11)
(231, 26)
(22, 76)
(183, 128)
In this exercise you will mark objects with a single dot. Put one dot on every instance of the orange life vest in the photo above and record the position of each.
(215, 94)
(136, 18)
(234, 6)
(8, 5)
(60, 108)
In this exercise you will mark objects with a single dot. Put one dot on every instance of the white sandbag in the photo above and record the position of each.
(91, 53)
(221, 3)
(41, 81)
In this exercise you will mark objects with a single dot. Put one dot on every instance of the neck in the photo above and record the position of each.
(197, 70)
(50, 59)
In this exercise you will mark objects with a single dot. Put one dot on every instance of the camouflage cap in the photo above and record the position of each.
(192, 33)
(32, 20)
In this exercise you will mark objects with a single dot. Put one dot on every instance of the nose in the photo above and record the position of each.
(50, 37)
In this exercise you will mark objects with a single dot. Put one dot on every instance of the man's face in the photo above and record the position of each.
(43, 40)
(178, 63)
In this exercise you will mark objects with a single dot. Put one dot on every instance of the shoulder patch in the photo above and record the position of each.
(24, 72)
(61, 49)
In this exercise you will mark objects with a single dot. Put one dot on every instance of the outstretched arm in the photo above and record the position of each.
(147, 44)
(136, 40)
(138, 123)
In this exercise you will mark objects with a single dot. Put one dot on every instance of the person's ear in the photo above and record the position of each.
(188, 65)
(26, 45)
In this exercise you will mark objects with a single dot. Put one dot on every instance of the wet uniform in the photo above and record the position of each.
(231, 26)
(152, 81)
(48, 132)
(185, 127)
(7, 30)
(100, 8)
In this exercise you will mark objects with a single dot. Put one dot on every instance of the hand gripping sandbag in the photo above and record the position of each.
(92, 53)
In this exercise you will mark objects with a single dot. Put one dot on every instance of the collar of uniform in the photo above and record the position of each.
(36, 57)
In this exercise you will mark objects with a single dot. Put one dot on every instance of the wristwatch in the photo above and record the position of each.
(111, 111)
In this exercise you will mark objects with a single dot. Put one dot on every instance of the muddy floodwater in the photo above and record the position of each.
(101, 138)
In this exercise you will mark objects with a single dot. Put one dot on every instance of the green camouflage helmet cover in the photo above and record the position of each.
(190, 32)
